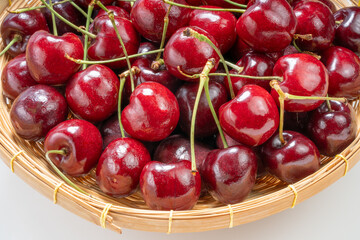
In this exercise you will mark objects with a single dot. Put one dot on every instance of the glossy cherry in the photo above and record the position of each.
(314, 18)
(344, 72)
(152, 114)
(328, 3)
(23, 24)
(188, 53)
(303, 75)
(82, 145)
(147, 47)
(221, 25)
(92, 94)
(186, 96)
(15, 77)
(332, 130)
(124, 4)
(230, 174)
(293, 161)
(37, 110)
(170, 186)
(148, 18)
(45, 52)
(267, 25)
(251, 117)
(120, 166)
(117, 11)
(348, 33)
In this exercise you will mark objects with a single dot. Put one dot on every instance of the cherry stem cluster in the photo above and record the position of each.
(17, 38)
(206, 9)
(81, 10)
(86, 37)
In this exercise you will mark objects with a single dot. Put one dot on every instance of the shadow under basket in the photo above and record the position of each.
(268, 197)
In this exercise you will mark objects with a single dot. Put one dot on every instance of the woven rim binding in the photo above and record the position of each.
(269, 196)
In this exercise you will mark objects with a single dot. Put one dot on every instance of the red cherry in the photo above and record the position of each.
(170, 186)
(46, 51)
(117, 11)
(85, 3)
(92, 94)
(152, 114)
(251, 117)
(81, 142)
(15, 77)
(147, 47)
(328, 3)
(36, 111)
(120, 166)
(224, 4)
(124, 4)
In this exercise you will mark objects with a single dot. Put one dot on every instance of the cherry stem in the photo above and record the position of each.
(81, 10)
(202, 38)
(275, 85)
(53, 19)
(86, 37)
(122, 83)
(17, 38)
(80, 61)
(155, 65)
(296, 46)
(112, 19)
(234, 66)
(236, 4)
(203, 78)
(328, 104)
(307, 37)
(67, 180)
(339, 22)
(21, 10)
(163, 38)
(206, 9)
(265, 78)
(10, 2)
(67, 21)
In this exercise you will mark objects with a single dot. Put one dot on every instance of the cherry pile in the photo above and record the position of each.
(179, 99)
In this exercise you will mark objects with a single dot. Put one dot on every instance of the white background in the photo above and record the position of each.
(331, 214)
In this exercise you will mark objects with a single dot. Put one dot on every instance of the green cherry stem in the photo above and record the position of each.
(328, 104)
(234, 66)
(17, 38)
(81, 10)
(163, 38)
(53, 19)
(21, 10)
(206, 9)
(86, 37)
(67, 180)
(236, 4)
(275, 85)
(122, 83)
(265, 78)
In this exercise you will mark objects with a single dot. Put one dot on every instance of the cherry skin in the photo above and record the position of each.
(148, 18)
(117, 11)
(224, 4)
(92, 94)
(230, 173)
(343, 67)
(170, 186)
(186, 96)
(221, 25)
(36, 111)
(82, 143)
(348, 33)
(85, 3)
(15, 77)
(267, 25)
(292, 161)
(296, 121)
(120, 166)
(303, 75)
(23, 24)
(147, 47)
(251, 117)
(69, 12)
(328, 3)
(189, 54)
(152, 114)
(106, 45)
(124, 5)
(314, 18)
(239, 49)
(44, 53)
(332, 130)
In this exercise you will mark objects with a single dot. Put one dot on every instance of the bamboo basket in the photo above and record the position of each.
(268, 197)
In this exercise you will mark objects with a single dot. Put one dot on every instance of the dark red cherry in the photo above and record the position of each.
(328, 3)
(148, 18)
(267, 25)
(314, 18)
(124, 5)
(92, 94)
(332, 130)
(303, 75)
(194, 2)
(344, 72)
(152, 114)
(293, 161)
(254, 64)
(239, 49)
(37, 110)
(120, 166)
(170, 186)
(188, 53)
(205, 125)
(45, 56)
(347, 34)
(81, 142)
(23, 24)
(67, 11)
(106, 45)
(230, 174)
(147, 47)
(85, 3)
(296, 121)
(224, 4)
(251, 117)
(117, 11)
(15, 77)
(221, 25)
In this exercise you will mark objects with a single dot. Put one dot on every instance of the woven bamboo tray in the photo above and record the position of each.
(269, 196)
